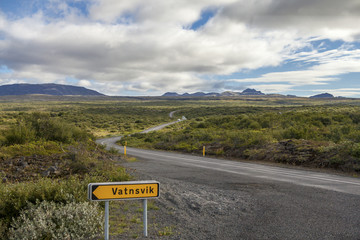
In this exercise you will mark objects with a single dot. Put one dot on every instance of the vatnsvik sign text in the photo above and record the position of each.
(123, 190)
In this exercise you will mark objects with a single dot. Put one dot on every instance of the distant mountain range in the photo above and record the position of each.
(246, 92)
(47, 89)
(69, 90)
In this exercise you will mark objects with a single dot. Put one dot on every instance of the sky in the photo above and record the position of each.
(149, 47)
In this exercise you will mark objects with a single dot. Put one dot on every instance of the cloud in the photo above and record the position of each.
(273, 88)
(148, 46)
(331, 19)
(84, 83)
(129, 53)
(328, 66)
(152, 12)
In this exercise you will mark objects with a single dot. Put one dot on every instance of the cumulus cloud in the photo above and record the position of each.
(323, 18)
(152, 12)
(328, 67)
(148, 46)
(85, 83)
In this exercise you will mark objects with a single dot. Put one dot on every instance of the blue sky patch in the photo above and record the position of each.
(5, 69)
(206, 15)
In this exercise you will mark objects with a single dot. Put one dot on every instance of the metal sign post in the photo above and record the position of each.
(106, 227)
(145, 216)
(123, 191)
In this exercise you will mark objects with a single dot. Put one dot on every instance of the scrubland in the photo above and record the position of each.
(48, 154)
(309, 133)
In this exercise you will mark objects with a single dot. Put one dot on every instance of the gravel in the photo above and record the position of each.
(193, 211)
(205, 204)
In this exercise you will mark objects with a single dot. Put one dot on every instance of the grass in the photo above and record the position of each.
(125, 218)
(166, 231)
(131, 159)
(152, 205)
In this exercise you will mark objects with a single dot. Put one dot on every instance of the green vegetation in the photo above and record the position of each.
(316, 136)
(48, 155)
(46, 165)
(50, 220)
(101, 118)
(130, 223)
(167, 231)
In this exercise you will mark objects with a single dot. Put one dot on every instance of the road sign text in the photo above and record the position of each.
(123, 190)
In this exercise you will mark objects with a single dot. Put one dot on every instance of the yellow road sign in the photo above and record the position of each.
(123, 190)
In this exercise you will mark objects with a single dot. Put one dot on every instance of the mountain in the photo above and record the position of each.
(213, 94)
(323, 95)
(197, 94)
(251, 92)
(171, 94)
(48, 89)
(230, 94)
(246, 92)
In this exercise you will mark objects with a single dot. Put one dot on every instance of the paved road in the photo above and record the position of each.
(254, 171)
(160, 126)
(277, 203)
(171, 114)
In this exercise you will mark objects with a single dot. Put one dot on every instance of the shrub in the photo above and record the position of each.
(16, 196)
(201, 125)
(35, 147)
(19, 134)
(41, 126)
(50, 220)
(113, 150)
(54, 129)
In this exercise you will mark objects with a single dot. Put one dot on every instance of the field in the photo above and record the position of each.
(48, 154)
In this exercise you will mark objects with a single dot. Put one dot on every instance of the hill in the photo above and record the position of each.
(247, 92)
(47, 89)
(323, 95)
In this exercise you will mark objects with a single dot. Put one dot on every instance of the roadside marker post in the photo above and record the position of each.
(131, 190)
(125, 150)
(203, 151)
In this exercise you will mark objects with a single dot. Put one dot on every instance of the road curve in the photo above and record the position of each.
(171, 114)
(299, 177)
(266, 202)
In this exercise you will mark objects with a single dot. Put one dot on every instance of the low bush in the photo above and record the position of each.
(50, 220)
(41, 126)
(19, 134)
(15, 197)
